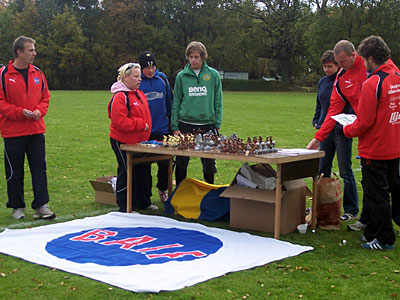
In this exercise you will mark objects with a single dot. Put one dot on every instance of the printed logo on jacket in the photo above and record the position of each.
(114, 246)
(206, 77)
(197, 91)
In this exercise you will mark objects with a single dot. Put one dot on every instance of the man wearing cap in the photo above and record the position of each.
(156, 87)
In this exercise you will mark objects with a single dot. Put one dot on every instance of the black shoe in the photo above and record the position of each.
(376, 245)
(347, 217)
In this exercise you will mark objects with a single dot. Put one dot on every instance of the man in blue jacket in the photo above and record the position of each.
(156, 87)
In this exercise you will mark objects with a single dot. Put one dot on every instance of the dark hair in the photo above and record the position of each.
(19, 44)
(328, 57)
(376, 47)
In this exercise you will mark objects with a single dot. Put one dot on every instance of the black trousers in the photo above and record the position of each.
(396, 201)
(14, 156)
(182, 162)
(121, 185)
(395, 196)
(144, 186)
(380, 179)
(138, 178)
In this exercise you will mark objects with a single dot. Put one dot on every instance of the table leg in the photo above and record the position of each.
(278, 196)
(314, 203)
(170, 167)
(129, 182)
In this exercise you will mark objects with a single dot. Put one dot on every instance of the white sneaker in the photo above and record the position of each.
(44, 212)
(152, 207)
(18, 213)
(357, 226)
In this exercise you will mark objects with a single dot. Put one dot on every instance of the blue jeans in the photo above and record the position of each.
(337, 142)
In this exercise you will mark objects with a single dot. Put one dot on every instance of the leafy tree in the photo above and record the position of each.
(351, 20)
(278, 18)
(229, 37)
(89, 14)
(184, 18)
(48, 9)
(383, 17)
(26, 21)
(176, 23)
(81, 43)
(99, 65)
(65, 55)
(124, 29)
(7, 34)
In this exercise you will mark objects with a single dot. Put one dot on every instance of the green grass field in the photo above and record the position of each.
(78, 150)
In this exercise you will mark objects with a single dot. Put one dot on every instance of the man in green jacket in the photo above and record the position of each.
(197, 105)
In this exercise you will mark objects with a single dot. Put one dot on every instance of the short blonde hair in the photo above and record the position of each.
(344, 45)
(196, 46)
(126, 69)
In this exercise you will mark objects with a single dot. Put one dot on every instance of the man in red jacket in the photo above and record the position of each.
(378, 129)
(24, 101)
(344, 99)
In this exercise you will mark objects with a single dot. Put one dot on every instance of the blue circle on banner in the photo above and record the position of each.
(115, 246)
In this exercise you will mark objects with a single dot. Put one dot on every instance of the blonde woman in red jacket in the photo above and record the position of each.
(130, 122)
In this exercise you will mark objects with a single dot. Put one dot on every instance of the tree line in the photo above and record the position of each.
(81, 43)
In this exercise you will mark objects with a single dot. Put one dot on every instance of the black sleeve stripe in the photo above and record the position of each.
(42, 82)
(126, 101)
(339, 91)
(382, 75)
(3, 85)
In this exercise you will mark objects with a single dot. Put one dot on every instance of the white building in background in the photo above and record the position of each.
(234, 75)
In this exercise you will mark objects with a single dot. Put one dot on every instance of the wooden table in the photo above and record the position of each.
(291, 164)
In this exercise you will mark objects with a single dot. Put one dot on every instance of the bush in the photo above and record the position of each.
(256, 85)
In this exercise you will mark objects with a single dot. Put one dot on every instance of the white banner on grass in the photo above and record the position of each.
(143, 253)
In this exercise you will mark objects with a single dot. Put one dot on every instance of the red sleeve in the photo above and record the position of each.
(43, 105)
(120, 118)
(367, 109)
(7, 109)
(335, 107)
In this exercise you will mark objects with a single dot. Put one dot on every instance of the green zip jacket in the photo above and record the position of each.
(197, 100)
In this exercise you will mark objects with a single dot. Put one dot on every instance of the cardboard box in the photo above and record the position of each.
(103, 190)
(254, 209)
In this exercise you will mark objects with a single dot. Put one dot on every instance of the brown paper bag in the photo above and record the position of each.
(329, 203)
